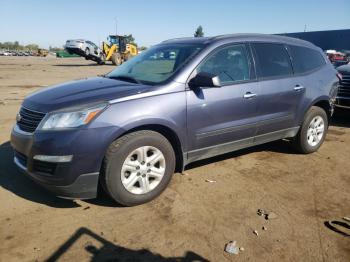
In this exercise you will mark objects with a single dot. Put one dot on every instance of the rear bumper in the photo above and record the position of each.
(75, 50)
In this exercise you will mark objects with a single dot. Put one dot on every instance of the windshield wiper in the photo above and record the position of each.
(125, 78)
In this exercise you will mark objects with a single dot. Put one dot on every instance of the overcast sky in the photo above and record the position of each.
(53, 22)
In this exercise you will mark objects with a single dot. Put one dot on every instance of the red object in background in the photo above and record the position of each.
(335, 57)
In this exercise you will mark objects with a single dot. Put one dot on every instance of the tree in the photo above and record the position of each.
(16, 45)
(55, 49)
(199, 32)
(32, 47)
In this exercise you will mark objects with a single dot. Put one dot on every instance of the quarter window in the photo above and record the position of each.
(272, 60)
(305, 59)
(230, 64)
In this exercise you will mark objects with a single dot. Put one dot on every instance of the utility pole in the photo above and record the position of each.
(116, 26)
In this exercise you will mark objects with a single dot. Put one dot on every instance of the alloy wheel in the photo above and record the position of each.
(143, 170)
(315, 131)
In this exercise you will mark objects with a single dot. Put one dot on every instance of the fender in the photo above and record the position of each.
(157, 121)
(306, 107)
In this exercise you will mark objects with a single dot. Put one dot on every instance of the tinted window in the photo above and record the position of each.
(272, 60)
(305, 59)
(230, 64)
(157, 64)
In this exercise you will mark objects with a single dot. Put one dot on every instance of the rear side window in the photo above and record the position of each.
(272, 60)
(305, 59)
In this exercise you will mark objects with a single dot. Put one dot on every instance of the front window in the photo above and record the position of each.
(230, 64)
(157, 64)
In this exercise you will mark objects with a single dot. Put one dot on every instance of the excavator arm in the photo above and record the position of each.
(109, 50)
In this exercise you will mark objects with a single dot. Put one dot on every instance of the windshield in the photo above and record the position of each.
(157, 64)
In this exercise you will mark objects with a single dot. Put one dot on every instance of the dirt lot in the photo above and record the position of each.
(193, 219)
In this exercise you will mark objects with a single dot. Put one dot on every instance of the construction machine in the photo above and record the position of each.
(118, 50)
(42, 52)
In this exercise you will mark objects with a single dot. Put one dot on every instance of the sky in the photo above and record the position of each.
(51, 23)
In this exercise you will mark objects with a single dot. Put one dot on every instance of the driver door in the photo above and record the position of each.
(223, 119)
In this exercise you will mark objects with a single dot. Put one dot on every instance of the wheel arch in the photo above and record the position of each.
(169, 133)
(324, 103)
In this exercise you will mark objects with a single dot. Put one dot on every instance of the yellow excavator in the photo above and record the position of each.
(42, 52)
(118, 50)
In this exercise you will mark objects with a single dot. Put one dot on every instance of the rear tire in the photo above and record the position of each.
(127, 57)
(313, 131)
(130, 174)
(87, 52)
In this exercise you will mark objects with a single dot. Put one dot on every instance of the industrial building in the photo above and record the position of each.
(331, 39)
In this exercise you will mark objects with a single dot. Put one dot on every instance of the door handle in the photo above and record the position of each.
(298, 88)
(249, 95)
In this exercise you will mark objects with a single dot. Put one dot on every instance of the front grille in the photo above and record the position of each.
(344, 86)
(44, 167)
(29, 119)
(22, 159)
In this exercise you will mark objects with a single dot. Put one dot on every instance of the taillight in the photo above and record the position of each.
(340, 76)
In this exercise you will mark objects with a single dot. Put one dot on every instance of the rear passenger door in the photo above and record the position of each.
(280, 92)
(308, 67)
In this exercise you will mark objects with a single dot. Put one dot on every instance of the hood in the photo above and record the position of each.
(344, 69)
(81, 92)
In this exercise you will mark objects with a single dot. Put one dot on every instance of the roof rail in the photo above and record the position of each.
(235, 35)
(177, 38)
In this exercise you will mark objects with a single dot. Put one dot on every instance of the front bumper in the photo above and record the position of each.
(342, 102)
(77, 178)
(84, 187)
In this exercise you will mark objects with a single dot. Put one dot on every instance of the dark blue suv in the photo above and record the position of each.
(178, 102)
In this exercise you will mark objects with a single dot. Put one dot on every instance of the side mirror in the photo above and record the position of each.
(203, 79)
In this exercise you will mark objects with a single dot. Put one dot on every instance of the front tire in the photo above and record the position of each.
(312, 132)
(116, 59)
(138, 167)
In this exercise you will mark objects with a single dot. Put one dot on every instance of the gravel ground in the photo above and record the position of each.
(193, 219)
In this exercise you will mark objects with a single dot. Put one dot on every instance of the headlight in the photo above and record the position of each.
(69, 119)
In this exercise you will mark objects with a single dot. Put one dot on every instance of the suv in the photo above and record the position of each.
(86, 49)
(343, 97)
(178, 102)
